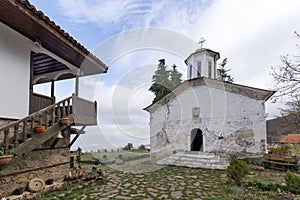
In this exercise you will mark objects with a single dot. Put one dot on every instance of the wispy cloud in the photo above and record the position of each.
(251, 34)
(119, 14)
(125, 15)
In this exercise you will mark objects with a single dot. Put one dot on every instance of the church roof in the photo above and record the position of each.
(251, 92)
(209, 51)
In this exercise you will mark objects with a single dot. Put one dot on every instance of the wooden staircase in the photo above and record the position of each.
(19, 138)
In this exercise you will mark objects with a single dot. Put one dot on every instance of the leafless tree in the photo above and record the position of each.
(291, 116)
(287, 76)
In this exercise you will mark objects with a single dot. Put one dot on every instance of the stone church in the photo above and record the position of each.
(205, 119)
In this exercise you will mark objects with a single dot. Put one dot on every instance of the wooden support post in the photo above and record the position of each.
(77, 136)
(71, 162)
(77, 84)
(54, 143)
(52, 89)
(74, 139)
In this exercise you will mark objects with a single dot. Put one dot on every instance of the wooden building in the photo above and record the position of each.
(34, 50)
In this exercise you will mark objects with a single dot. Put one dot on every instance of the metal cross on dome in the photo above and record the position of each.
(201, 42)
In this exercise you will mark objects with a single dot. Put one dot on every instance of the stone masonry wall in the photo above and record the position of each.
(42, 164)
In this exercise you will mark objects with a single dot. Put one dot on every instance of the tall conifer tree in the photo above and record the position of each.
(164, 81)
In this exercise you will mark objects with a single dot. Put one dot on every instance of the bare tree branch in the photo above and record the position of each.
(287, 76)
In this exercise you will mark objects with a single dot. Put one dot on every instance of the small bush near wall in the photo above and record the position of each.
(236, 171)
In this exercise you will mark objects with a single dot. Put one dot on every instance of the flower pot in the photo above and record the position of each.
(5, 159)
(64, 121)
(40, 129)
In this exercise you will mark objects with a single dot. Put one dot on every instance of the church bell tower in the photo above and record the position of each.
(202, 63)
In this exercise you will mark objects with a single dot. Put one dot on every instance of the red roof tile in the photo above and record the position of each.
(290, 138)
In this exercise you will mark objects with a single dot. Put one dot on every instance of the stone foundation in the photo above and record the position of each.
(42, 164)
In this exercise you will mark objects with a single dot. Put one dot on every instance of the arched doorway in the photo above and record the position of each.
(196, 140)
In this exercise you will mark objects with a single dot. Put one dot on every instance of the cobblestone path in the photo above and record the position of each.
(165, 183)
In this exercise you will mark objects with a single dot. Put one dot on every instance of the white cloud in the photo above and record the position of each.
(251, 34)
(117, 14)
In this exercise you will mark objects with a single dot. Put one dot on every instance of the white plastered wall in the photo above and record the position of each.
(14, 73)
(237, 118)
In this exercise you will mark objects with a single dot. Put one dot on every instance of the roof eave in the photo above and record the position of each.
(23, 17)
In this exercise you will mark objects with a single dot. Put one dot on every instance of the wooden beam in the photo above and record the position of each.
(81, 131)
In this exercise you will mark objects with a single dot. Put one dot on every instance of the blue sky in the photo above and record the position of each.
(252, 34)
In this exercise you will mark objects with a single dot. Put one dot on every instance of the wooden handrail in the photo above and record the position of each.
(83, 112)
(34, 114)
(52, 114)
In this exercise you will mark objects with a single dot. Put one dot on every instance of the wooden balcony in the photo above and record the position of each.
(38, 102)
(21, 136)
(84, 111)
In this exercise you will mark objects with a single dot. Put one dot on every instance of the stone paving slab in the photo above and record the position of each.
(166, 183)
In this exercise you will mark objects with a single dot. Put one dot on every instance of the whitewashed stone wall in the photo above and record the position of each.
(238, 119)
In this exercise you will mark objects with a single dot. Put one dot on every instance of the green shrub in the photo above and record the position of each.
(120, 156)
(104, 156)
(263, 186)
(273, 187)
(236, 171)
(292, 180)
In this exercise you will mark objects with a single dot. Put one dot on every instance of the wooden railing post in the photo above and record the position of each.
(40, 119)
(6, 141)
(31, 123)
(58, 112)
(63, 109)
(16, 135)
(47, 120)
(24, 130)
(69, 107)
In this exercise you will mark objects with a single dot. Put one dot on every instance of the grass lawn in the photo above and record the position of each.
(141, 179)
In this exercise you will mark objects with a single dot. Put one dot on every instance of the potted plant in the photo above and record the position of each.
(65, 121)
(40, 128)
(4, 159)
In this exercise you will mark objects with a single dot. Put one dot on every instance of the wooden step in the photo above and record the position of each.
(37, 140)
